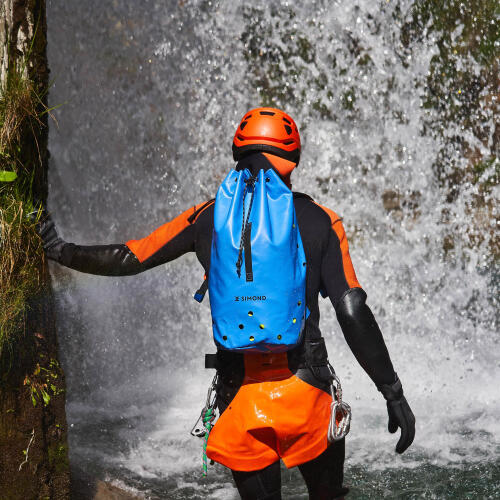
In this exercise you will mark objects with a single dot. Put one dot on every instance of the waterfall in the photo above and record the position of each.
(395, 139)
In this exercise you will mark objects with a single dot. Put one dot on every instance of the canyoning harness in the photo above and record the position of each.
(340, 418)
(255, 227)
(205, 421)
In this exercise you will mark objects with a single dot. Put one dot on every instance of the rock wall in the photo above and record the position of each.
(33, 436)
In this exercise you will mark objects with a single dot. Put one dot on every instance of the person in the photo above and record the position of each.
(273, 406)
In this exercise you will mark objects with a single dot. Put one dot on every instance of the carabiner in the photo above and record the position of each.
(340, 419)
(199, 429)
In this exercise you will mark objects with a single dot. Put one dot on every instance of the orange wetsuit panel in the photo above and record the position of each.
(146, 247)
(284, 167)
(338, 227)
(274, 415)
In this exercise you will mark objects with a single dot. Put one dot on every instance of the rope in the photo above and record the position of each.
(244, 222)
(208, 418)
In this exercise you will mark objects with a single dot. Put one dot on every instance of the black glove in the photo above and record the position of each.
(52, 243)
(400, 414)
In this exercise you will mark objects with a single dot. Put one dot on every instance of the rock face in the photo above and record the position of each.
(33, 443)
(23, 43)
(84, 487)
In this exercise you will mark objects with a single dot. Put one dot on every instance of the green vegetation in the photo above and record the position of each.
(42, 384)
(461, 94)
(462, 85)
(21, 254)
(58, 457)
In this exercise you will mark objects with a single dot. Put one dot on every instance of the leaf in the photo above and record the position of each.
(6, 176)
(46, 397)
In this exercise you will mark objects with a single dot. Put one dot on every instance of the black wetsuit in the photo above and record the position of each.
(329, 269)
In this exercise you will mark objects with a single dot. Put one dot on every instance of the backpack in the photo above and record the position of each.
(257, 276)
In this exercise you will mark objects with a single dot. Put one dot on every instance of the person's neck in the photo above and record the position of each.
(258, 161)
(282, 166)
(287, 181)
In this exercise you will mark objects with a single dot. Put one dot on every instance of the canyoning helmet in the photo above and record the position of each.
(267, 130)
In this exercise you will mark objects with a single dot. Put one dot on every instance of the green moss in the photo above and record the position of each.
(479, 30)
(279, 55)
(461, 94)
(486, 173)
(365, 60)
(58, 457)
(348, 99)
(464, 73)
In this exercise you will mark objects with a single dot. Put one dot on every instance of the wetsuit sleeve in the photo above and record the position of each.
(337, 271)
(169, 241)
(358, 324)
(104, 260)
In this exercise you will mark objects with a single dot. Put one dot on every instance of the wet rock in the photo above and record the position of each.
(85, 487)
(33, 443)
(391, 200)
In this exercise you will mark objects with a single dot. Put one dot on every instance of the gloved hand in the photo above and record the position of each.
(52, 243)
(400, 414)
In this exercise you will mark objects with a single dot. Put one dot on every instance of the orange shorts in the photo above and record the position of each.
(274, 415)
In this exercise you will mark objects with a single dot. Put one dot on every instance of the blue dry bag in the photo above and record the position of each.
(257, 276)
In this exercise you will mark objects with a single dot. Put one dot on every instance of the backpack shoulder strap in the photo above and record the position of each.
(296, 195)
(192, 217)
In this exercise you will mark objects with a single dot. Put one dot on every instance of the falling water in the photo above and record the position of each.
(396, 103)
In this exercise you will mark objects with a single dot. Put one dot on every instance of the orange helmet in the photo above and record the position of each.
(267, 130)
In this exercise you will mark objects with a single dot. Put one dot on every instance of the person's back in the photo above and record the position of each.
(272, 406)
(329, 267)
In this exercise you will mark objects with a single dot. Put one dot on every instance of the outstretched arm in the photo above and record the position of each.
(166, 243)
(105, 260)
(362, 332)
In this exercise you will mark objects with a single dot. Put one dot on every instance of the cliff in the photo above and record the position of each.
(33, 438)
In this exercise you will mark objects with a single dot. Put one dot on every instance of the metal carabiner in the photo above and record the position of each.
(340, 419)
(199, 428)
